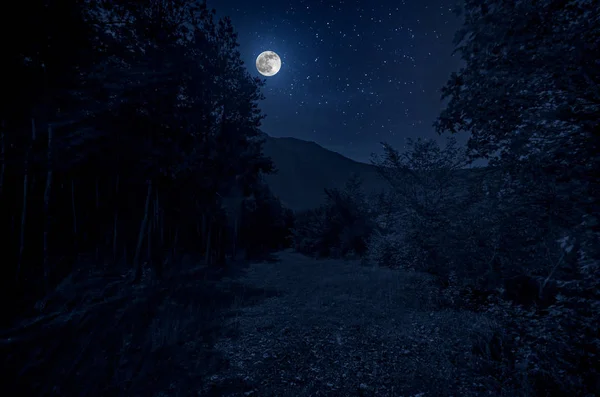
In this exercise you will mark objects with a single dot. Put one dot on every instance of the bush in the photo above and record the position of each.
(266, 224)
(309, 236)
(387, 250)
(340, 228)
(426, 198)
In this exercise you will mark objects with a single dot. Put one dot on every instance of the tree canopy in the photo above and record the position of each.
(132, 124)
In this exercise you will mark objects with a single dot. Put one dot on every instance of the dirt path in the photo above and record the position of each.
(336, 328)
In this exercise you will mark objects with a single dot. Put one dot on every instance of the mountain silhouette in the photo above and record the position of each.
(305, 169)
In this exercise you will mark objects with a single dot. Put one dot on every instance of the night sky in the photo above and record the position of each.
(354, 72)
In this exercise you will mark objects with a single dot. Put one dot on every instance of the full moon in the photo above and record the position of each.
(268, 63)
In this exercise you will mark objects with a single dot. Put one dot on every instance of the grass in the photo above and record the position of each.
(338, 328)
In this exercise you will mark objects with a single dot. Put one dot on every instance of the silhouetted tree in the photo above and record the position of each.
(340, 227)
(266, 223)
(155, 125)
(426, 196)
(528, 95)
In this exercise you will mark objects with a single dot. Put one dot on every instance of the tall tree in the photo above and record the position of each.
(529, 95)
(530, 84)
(153, 115)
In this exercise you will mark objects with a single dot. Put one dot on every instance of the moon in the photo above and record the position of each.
(268, 63)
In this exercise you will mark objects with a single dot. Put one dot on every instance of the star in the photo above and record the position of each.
(361, 72)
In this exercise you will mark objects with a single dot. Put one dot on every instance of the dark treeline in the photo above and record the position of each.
(129, 134)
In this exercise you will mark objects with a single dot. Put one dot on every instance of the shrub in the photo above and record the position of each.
(387, 250)
(341, 227)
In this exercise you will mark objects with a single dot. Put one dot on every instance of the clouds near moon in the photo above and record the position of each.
(268, 63)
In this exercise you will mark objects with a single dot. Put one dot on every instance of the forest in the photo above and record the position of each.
(130, 147)
(129, 133)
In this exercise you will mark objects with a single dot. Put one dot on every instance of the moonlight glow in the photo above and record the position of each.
(268, 63)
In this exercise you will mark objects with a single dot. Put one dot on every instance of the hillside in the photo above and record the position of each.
(305, 169)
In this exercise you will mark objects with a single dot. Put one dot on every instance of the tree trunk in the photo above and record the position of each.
(157, 248)
(136, 259)
(162, 228)
(208, 247)
(149, 236)
(114, 242)
(221, 246)
(74, 212)
(2, 158)
(175, 242)
(203, 233)
(24, 207)
(233, 209)
(95, 234)
(234, 237)
(160, 223)
(23, 217)
(47, 208)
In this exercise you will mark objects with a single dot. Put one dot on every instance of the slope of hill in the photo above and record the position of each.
(305, 169)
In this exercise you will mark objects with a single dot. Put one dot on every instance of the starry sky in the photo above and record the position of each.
(354, 72)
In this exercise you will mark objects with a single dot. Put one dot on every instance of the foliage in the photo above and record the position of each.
(518, 78)
(387, 250)
(131, 135)
(341, 227)
(528, 95)
(266, 223)
(129, 142)
(425, 198)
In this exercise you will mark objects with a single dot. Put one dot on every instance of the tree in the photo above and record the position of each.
(155, 124)
(427, 192)
(341, 227)
(530, 84)
(529, 95)
(265, 223)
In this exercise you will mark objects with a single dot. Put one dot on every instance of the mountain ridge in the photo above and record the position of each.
(305, 169)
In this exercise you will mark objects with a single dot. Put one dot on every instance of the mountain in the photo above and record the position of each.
(305, 169)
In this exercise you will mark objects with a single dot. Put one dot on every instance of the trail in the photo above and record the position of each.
(334, 327)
